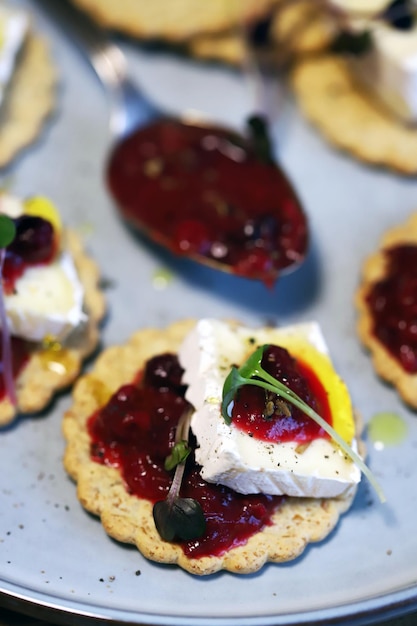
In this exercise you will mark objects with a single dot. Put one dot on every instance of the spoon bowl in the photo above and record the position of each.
(197, 189)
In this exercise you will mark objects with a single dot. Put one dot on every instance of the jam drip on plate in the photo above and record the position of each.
(393, 305)
(135, 431)
(205, 191)
(264, 415)
(34, 244)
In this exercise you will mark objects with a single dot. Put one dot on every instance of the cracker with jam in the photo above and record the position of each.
(43, 363)
(105, 430)
(30, 98)
(342, 104)
(387, 303)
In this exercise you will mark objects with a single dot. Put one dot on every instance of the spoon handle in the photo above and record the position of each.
(106, 58)
(128, 107)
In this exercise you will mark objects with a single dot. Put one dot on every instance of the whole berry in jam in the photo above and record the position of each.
(34, 241)
(164, 372)
(264, 229)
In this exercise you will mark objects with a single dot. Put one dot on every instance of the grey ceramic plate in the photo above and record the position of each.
(54, 556)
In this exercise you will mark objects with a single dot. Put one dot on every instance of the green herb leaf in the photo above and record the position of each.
(251, 372)
(178, 454)
(7, 230)
(183, 518)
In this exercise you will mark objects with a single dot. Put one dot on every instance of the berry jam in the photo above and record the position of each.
(264, 415)
(34, 244)
(135, 432)
(393, 305)
(205, 192)
(20, 352)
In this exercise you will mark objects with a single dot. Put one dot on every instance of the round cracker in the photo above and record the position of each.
(29, 101)
(172, 21)
(349, 117)
(297, 28)
(374, 269)
(41, 377)
(129, 519)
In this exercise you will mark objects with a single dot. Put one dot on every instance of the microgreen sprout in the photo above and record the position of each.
(251, 372)
(176, 517)
(7, 234)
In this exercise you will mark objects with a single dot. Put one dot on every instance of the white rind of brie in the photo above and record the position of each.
(229, 456)
(389, 68)
(14, 27)
(48, 301)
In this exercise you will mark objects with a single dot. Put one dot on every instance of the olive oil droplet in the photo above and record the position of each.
(56, 358)
(161, 279)
(387, 429)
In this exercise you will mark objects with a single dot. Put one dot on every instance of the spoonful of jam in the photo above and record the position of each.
(200, 190)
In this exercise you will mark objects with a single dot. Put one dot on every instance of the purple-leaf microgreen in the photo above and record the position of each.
(176, 517)
(261, 141)
(7, 234)
(251, 372)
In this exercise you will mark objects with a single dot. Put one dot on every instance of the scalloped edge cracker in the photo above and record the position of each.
(172, 21)
(127, 518)
(29, 101)
(373, 270)
(296, 29)
(350, 118)
(39, 380)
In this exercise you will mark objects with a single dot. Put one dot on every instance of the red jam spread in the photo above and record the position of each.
(34, 244)
(205, 192)
(20, 352)
(135, 432)
(393, 305)
(263, 415)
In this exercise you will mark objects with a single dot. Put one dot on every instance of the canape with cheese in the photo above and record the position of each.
(124, 424)
(52, 304)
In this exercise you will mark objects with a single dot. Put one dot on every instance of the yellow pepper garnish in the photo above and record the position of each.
(40, 206)
(338, 396)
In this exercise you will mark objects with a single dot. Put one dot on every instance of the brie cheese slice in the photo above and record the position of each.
(48, 301)
(230, 456)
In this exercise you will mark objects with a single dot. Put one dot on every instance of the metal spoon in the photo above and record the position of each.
(198, 190)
